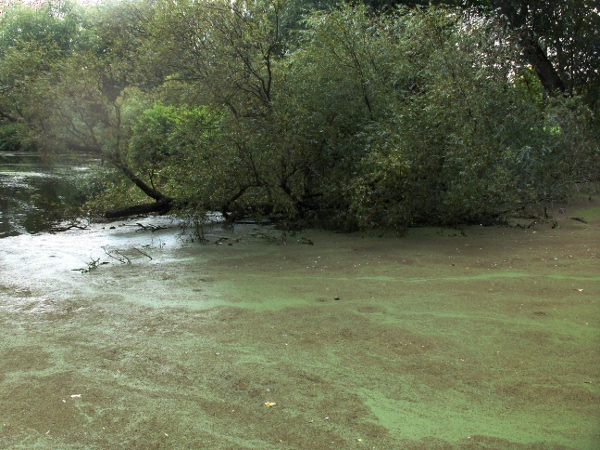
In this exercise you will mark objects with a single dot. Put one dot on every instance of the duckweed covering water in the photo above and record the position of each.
(488, 341)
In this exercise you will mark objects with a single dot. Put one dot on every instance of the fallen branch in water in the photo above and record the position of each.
(151, 227)
(93, 264)
(75, 224)
(161, 207)
(143, 253)
(119, 256)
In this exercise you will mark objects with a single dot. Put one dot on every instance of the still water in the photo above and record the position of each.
(33, 189)
(117, 336)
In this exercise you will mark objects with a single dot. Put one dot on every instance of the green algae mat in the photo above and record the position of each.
(311, 341)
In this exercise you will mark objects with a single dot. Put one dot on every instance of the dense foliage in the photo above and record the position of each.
(311, 112)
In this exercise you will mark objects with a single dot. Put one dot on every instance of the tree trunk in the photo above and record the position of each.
(532, 50)
(163, 203)
(141, 184)
(127, 211)
(541, 64)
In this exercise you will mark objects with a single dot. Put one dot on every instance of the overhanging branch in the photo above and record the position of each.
(147, 208)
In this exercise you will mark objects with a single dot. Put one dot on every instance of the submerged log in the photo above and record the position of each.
(147, 208)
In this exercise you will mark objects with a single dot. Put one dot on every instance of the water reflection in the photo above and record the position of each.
(33, 189)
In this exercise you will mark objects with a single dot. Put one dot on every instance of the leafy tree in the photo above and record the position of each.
(563, 32)
(558, 39)
(416, 116)
(33, 44)
(227, 55)
(433, 129)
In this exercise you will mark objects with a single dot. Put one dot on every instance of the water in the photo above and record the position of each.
(116, 336)
(360, 342)
(33, 190)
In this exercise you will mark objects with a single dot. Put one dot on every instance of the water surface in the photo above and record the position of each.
(33, 188)
(488, 341)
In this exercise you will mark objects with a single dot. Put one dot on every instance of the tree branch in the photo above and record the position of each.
(147, 208)
(532, 50)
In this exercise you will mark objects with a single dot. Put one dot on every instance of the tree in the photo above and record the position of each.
(558, 39)
(432, 124)
(417, 116)
(228, 55)
(33, 44)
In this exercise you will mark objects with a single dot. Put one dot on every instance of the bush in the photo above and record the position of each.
(15, 137)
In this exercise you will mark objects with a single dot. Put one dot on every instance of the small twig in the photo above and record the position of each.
(143, 253)
(93, 264)
(120, 256)
(151, 227)
(77, 225)
(127, 260)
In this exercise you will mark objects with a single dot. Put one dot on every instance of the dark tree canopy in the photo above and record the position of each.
(311, 112)
(559, 39)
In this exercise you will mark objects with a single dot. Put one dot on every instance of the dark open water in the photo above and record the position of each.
(32, 189)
